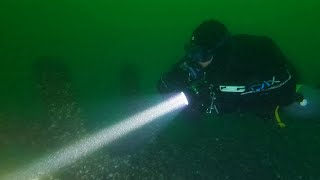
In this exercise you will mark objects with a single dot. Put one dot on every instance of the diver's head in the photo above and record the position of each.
(206, 41)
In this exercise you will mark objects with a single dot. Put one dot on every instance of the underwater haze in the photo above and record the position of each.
(69, 68)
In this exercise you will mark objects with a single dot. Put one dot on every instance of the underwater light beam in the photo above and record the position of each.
(72, 153)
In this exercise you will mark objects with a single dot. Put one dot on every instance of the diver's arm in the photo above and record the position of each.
(172, 81)
(179, 77)
(184, 77)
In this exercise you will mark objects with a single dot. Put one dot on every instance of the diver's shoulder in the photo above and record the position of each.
(251, 38)
(241, 41)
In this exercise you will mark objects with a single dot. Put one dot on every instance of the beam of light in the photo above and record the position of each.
(72, 153)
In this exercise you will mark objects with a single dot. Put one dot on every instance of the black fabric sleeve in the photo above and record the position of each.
(175, 81)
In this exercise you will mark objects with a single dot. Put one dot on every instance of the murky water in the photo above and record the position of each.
(69, 68)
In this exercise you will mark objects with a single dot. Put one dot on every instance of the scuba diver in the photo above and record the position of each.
(222, 73)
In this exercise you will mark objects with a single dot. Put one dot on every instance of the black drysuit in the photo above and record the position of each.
(254, 64)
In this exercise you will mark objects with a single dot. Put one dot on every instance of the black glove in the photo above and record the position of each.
(193, 69)
(181, 76)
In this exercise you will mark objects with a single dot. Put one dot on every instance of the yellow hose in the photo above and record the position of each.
(276, 114)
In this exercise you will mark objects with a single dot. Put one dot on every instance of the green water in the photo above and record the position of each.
(99, 45)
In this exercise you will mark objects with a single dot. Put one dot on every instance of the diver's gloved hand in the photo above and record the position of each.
(198, 95)
(192, 69)
(182, 75)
